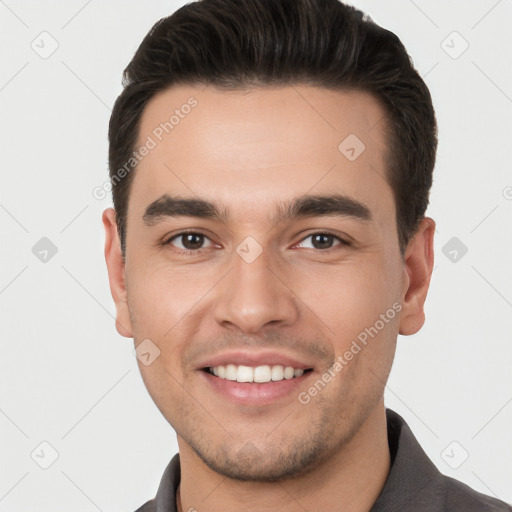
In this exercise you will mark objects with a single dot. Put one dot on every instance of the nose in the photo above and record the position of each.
(254, 294)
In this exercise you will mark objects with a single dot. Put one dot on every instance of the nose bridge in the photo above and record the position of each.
(253, 294)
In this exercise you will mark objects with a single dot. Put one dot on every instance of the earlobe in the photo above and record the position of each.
(418, 265)
(116, 273)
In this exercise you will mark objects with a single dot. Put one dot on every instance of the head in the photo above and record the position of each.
(295, 142)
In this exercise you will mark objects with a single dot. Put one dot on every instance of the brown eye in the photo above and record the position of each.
(189, 241)
(324, 241)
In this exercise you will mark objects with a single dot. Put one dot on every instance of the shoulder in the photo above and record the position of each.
(460, 496)
(165, 498)
(415, 483)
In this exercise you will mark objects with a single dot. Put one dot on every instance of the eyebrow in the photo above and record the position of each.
(300, 207)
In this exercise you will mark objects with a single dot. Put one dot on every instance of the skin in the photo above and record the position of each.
(248, 151)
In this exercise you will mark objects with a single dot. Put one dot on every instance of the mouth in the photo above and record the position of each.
(255, 386)
(258, 374)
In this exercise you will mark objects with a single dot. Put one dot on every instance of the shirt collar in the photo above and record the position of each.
(166, 495)
(414, 482)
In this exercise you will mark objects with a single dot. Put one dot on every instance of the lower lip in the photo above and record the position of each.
(255, 393)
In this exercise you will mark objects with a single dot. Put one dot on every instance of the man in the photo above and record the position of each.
(271, 162)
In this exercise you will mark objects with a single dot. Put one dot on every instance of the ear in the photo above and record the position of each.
(418, 265)
(115, 266)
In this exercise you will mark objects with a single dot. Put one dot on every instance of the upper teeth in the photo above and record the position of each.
(264, 373)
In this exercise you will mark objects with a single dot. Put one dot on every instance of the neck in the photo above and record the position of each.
(354, 476)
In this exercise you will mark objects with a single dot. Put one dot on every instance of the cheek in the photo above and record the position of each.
(167, 307)
(350, 297)
(160, 296)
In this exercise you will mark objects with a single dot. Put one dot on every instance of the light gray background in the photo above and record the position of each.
(69, 379)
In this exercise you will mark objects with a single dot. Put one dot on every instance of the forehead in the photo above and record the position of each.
(251, 148)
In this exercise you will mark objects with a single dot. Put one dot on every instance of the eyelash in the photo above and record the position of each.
(200, 251)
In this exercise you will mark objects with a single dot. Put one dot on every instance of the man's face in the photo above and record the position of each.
(248, 290)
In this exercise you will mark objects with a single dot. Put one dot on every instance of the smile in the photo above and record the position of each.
(259, 374)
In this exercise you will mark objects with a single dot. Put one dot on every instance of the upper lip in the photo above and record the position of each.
(251, 358)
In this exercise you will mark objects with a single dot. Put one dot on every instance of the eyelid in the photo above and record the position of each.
(167, 240)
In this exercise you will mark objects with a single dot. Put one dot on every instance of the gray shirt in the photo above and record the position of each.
(414, 484)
